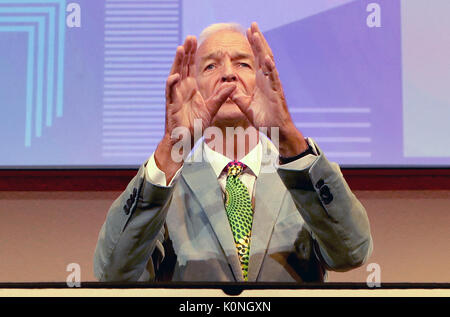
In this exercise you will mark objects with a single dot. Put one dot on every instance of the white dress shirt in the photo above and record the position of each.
(248, 176)
(253, 161)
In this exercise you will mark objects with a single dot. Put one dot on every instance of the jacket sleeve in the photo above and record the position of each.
(338, 221)
(132, 230)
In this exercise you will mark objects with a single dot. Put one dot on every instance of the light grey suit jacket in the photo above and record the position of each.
(306, 222)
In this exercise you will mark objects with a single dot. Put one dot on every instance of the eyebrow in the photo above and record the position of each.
(234, 56)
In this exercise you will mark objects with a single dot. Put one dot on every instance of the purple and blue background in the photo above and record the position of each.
(93, 96)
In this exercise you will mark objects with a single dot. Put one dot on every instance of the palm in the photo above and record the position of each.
(266, 107)
(184, 103)
(264, 101)
(189, 105)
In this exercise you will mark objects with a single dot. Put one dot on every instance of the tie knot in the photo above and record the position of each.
(235, 168)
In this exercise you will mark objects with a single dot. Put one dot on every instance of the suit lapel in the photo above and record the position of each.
(203, 182)
(269, 194)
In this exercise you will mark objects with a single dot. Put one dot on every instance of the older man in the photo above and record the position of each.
(229, 217)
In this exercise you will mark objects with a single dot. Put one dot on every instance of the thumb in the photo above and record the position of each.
(219, 97)
(241, 100)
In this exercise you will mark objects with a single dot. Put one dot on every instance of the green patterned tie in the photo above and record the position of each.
(238, 206)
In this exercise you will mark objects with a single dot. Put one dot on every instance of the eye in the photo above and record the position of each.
(210, 66)
(244, 65)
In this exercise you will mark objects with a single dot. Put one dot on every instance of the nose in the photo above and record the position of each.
(228, 74)
(229, 78)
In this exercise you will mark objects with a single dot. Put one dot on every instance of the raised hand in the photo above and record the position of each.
(267, 107)
(184, 103)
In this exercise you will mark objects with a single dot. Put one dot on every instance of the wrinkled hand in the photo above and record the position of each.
(267, 107)
(184, 102)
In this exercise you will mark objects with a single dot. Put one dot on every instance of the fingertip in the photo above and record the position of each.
(176, 77)
(188, 44)
(230, 87)
(234, 94)
(173, 79)
(180, 50)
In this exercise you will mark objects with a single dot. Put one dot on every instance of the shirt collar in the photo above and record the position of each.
(219, 162)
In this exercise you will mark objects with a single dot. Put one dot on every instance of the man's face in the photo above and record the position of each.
(226, 56)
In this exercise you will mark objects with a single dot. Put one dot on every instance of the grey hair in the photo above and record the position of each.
(214, 28)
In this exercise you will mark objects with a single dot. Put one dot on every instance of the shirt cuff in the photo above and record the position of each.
(304, 161)
(157, 177)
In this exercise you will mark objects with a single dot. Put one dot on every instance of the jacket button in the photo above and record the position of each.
(129, 202)
(320, 183)
(325, 194)
(134, 192)
(126, 209)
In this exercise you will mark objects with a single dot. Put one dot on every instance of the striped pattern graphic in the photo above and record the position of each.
(140, 41)
(44, 23)
(338, 128)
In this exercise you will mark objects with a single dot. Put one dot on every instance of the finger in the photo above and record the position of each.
(272, 73)
(184, 66)
(260, 51)
(255, 29)
(217, 99)
(249, 35)
(241, 100)
(172, 80)
(191, 62)
(178, 60)
(252, 41)
(252, 44)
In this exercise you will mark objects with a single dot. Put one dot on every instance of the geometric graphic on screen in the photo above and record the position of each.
(345, 83)
(140, 40)
(44, 23)
(340, 85)
(369, 96)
